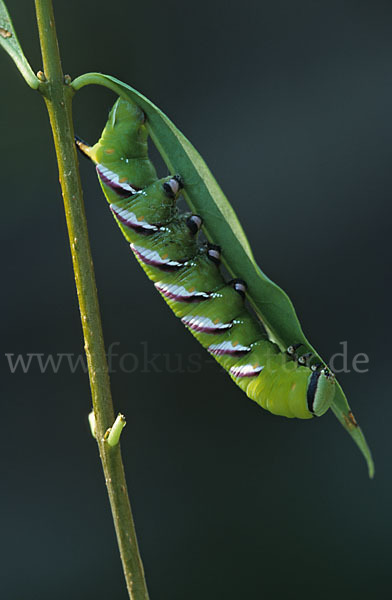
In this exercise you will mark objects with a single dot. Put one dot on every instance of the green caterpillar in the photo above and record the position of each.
(188, 276)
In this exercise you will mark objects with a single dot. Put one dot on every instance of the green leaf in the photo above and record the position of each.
(10, 43)
(221, 225)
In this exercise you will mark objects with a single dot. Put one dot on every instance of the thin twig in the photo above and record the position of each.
(58, 96)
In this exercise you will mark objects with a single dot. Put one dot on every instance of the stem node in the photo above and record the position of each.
(92, 423)
(112, 435)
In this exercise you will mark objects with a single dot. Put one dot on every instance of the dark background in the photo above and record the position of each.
(290, 105)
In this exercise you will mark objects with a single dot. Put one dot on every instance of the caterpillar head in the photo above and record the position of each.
(320, 392)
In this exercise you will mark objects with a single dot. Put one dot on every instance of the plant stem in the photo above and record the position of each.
(58, 98)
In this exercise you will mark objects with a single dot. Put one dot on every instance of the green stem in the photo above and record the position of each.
(97, 79)
(58, 98)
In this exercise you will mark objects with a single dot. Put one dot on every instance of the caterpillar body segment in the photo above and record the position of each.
(188, 277)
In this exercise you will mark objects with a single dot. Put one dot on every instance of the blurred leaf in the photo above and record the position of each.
(10, 43)
(221, 225)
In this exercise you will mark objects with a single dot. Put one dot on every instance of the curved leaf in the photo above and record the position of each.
(10, 43)
(221, 225)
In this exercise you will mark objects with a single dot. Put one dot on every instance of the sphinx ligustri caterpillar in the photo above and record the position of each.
(188, 276)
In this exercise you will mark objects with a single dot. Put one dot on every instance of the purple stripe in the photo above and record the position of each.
(154, 263)
(198, 297)
(188, 299)
(202, 329)
(139, 228)
(223, 351)
(117, 188)
(235, 371)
